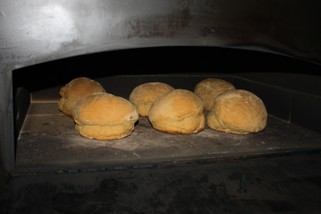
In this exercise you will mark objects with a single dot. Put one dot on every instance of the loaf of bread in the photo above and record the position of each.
(145, 94)
(76, 89)
(103, 116)
(237, 112)
(209, 89)
(177, 112)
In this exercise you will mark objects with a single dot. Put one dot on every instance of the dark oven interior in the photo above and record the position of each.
(45, 139)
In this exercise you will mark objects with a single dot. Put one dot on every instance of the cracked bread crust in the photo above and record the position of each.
(178, 112)
(103, 116)
(209, 89)
(144, 95)
(76, 89)
(237, 112)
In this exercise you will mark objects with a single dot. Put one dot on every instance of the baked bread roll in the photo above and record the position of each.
(103, 116)
(209, 89)
(76, 89)
(177, 112)
(237, 112)
(145, 94)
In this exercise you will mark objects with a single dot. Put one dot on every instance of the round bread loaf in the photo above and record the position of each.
(237, 112)
(76, 89)
(177, 112)
(103, 116)
(209, 89)
(145, 94)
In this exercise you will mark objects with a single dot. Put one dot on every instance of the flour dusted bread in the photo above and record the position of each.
(209, 89)
(237, 112)
(103, 116)
(76, 89)
(178, 112)
(145, 94)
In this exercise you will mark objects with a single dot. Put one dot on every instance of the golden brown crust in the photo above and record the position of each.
(209, 89)
(237, 112)
(104, 132)
(145, 94)
(76, 89)
(178, 112)
(104, 116)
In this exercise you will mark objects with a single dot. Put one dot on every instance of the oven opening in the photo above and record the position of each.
(46, 140)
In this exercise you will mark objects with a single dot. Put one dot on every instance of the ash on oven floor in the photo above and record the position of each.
(48, 140)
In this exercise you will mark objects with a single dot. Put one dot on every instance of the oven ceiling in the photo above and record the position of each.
(43, 30)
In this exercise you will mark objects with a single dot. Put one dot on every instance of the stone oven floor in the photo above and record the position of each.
(49, 142)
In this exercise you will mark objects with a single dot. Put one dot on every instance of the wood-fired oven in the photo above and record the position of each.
(271, 48)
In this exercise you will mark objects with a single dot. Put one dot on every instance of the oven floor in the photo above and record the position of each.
(48, 141)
